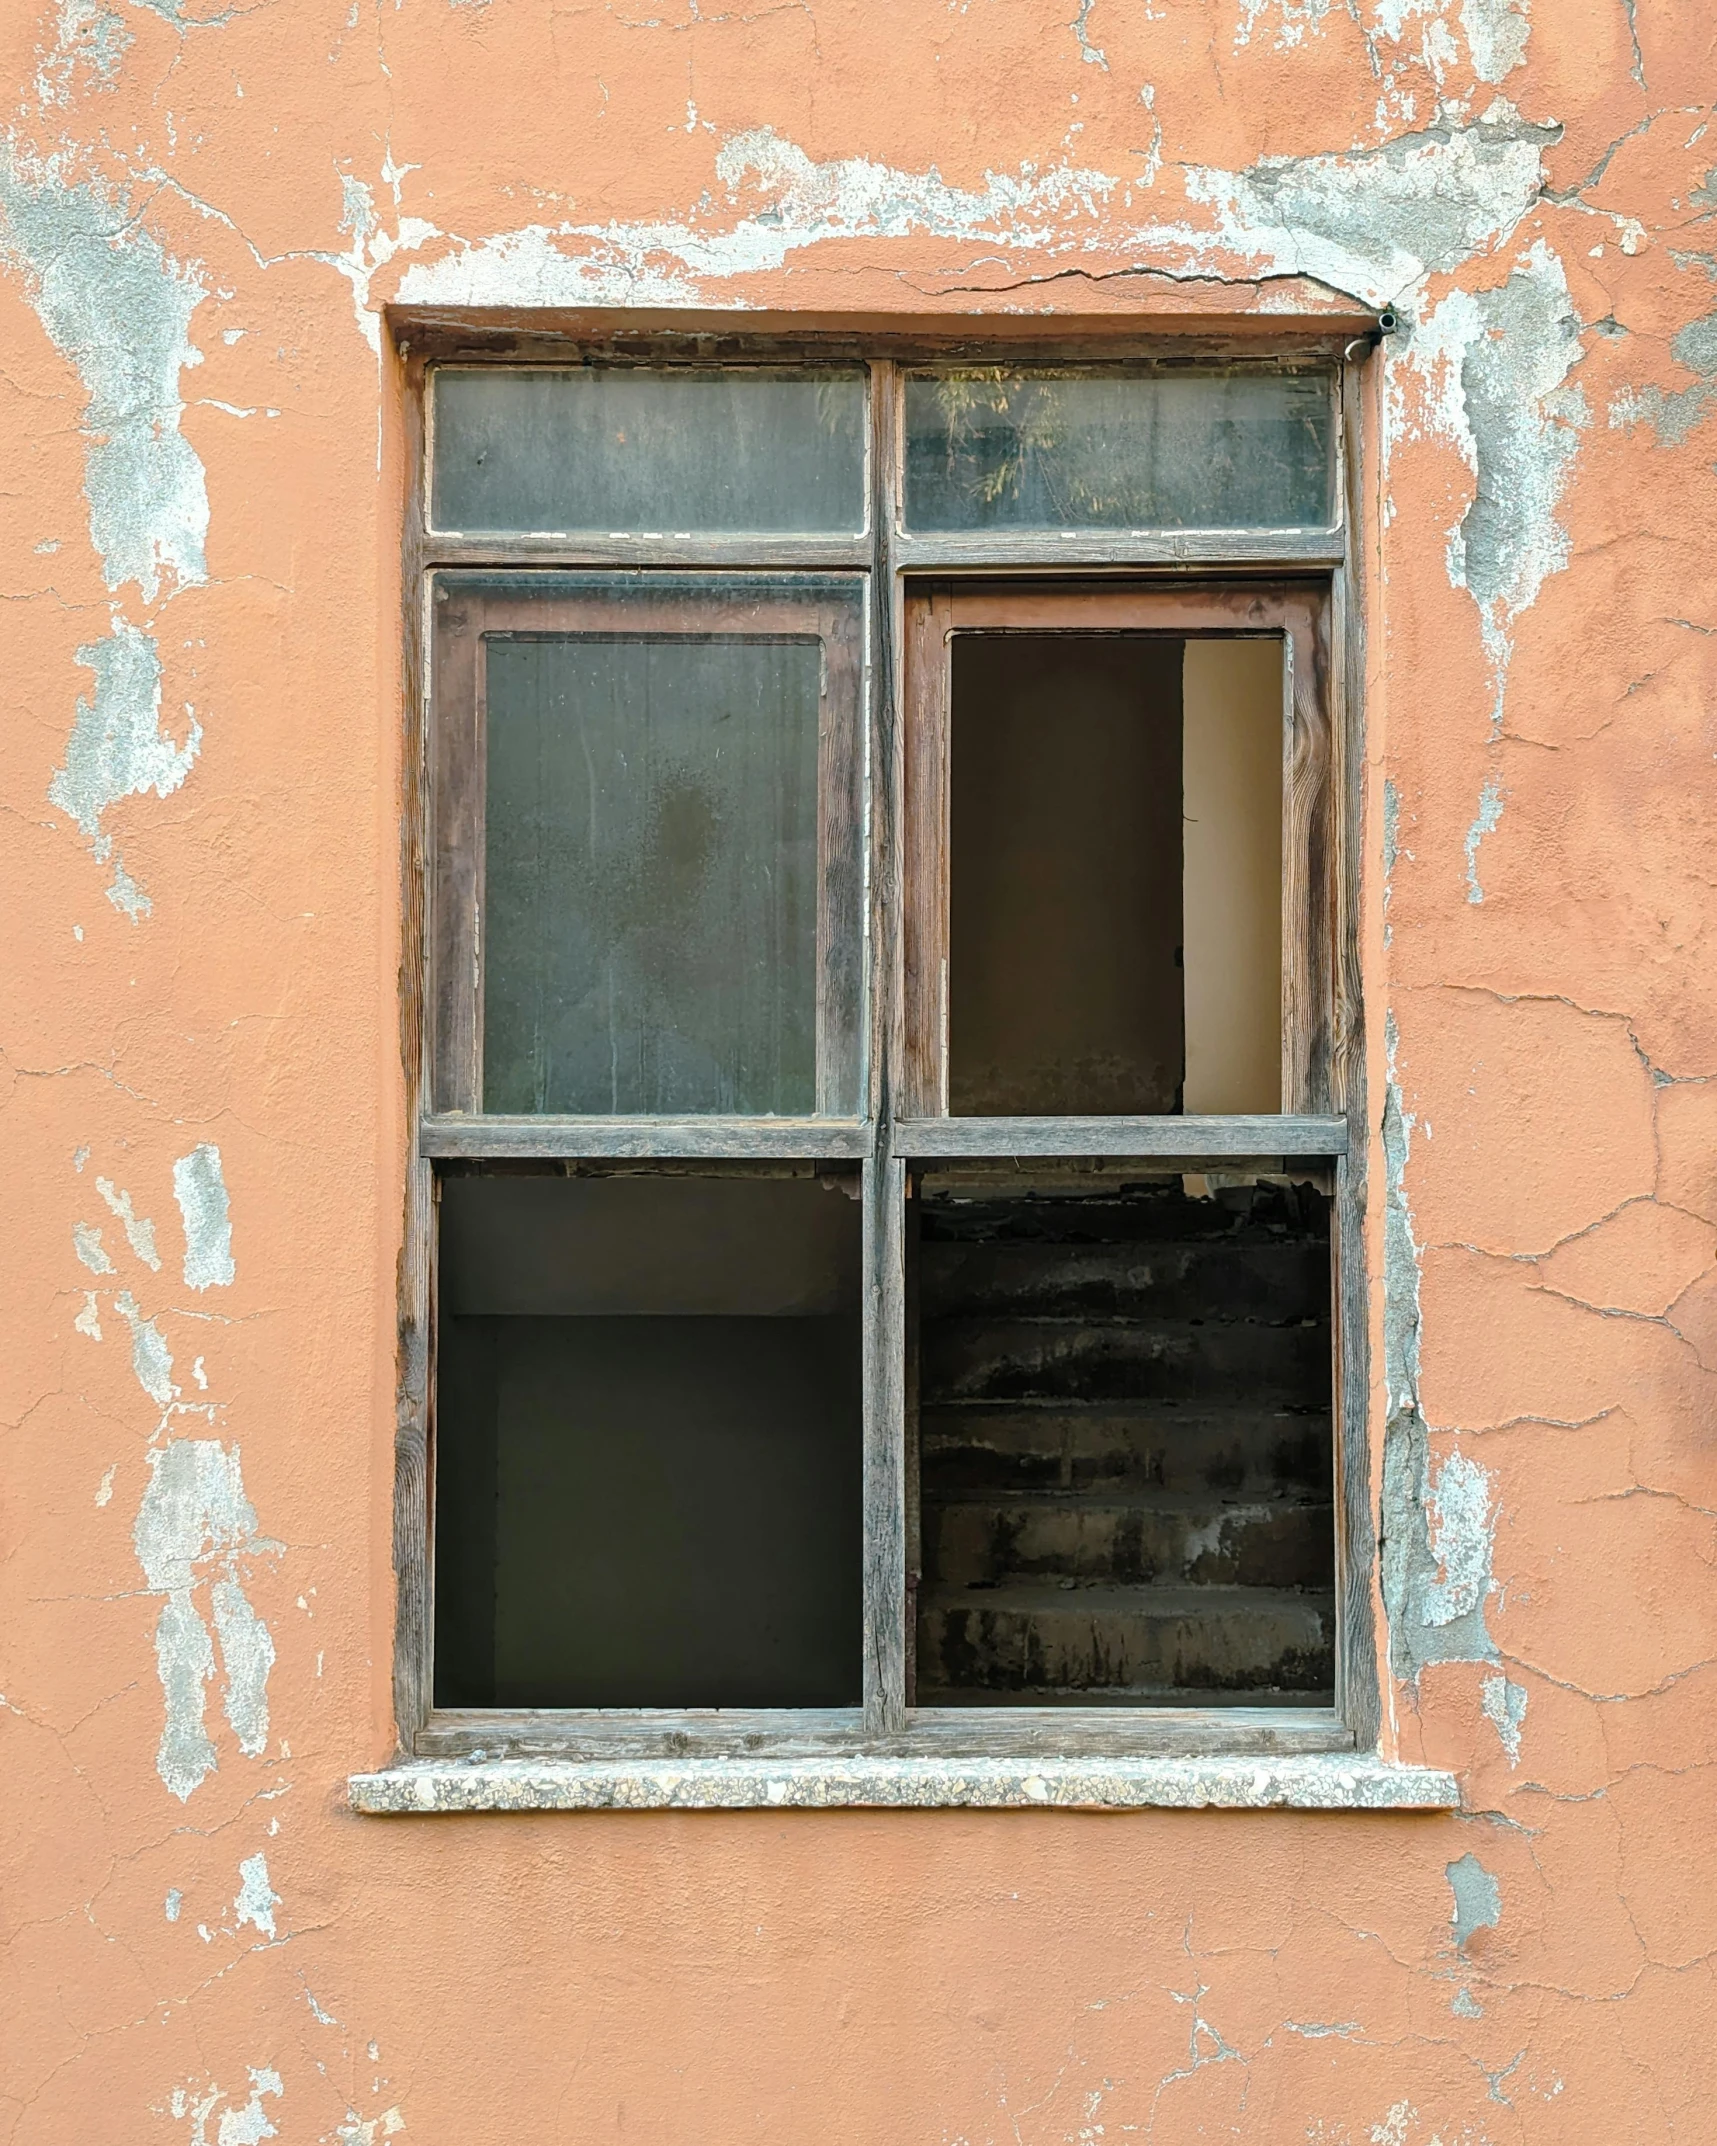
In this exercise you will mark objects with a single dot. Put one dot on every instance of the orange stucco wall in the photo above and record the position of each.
(204, 207)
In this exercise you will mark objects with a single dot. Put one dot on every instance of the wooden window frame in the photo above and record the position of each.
(1302, 586)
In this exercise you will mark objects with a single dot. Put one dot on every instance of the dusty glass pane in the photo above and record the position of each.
(651, 902)
(1056, 449)
(620, 450)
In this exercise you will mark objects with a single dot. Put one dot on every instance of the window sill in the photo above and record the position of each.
(1337, 1782)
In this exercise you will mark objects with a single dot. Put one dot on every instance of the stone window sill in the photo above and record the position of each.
(1338, 1782)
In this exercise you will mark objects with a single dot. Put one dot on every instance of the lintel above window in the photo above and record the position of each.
(889, 1114)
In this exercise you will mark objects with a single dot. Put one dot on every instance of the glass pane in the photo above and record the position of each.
(1114, 450)
(619, 451)
(658, 934)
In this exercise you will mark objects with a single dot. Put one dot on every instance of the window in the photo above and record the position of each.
(884, 1264)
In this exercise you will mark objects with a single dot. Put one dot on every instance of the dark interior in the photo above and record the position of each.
(1125, 1442)
(1064, 987)
(648, 1441)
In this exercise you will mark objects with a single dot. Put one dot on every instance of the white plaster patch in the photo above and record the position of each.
(115, 304)
(139, 1230)
(371, 2130)
(1504, 1707)
(257, 1899)
(195, 1524)
(1496, 32)
(802, 203)
(89, 38)
(1375, 222)
(243, 2124)
(201, 1192)
(1478, 1899)
(1294, 19)
(1463, 1527)
(151, 1359)
(1488, 372)
(1487, 821)
(174, 1901)
(87, 1244)
(118, 749)
(88, 1321)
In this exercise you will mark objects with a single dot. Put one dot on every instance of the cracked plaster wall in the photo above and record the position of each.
(204, 206)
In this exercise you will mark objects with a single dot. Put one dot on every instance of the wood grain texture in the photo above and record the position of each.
(549, 1139)
(885, 1639)
(927, 1732)
(1203, 550)
(1358, 1695)
(926, 1139)
(413, 1494)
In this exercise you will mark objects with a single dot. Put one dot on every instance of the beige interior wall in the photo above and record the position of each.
(1231, 790)
(1065, 875)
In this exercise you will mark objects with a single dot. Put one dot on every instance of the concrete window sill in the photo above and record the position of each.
(1341, 1782)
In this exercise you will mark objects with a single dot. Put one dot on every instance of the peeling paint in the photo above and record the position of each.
(257, 1899)
(243, 2124)
(139, 1230)
(1486, 822)
(1462, 1527)
(804, 203)
(1478, 1899)
(1375, 222)
(201, 1192)
(369, 2131)
(1504, 1707)
(86, 1242)
(1672, 414)
(1437, 1527)
(88, 1321)
(90, 40)
(1496, 32)
(91, 267)
(194, 1517)
(151, 1358)
(1492, 370)
(118, 749)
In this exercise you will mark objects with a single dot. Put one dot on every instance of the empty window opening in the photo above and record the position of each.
(1115, 879)
(648, 1441)
(1125, 1441)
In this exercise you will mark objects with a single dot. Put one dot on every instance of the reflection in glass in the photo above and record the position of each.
(650, 912)
(610, 451)
(1056, 449)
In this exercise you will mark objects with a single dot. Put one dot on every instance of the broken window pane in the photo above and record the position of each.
(648, 1441)
(1125, 1440)
(670, 913)
(1050, 448)
(632, 451)
(1115, 875)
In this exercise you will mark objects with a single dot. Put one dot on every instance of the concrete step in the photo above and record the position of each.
(1243, 1452)
(1247, 1643)
(1095, 1359)
(1132, 1537)
(1278, 1282)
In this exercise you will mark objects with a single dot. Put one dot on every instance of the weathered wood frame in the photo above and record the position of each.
(1300, 585)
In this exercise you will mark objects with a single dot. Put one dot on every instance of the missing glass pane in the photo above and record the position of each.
(648, 1442)
(1115, 875)
(1126, 1442)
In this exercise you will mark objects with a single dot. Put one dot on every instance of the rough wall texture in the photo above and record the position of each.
(203, 208)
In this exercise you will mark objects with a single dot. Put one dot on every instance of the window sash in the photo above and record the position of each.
(893, 1130)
